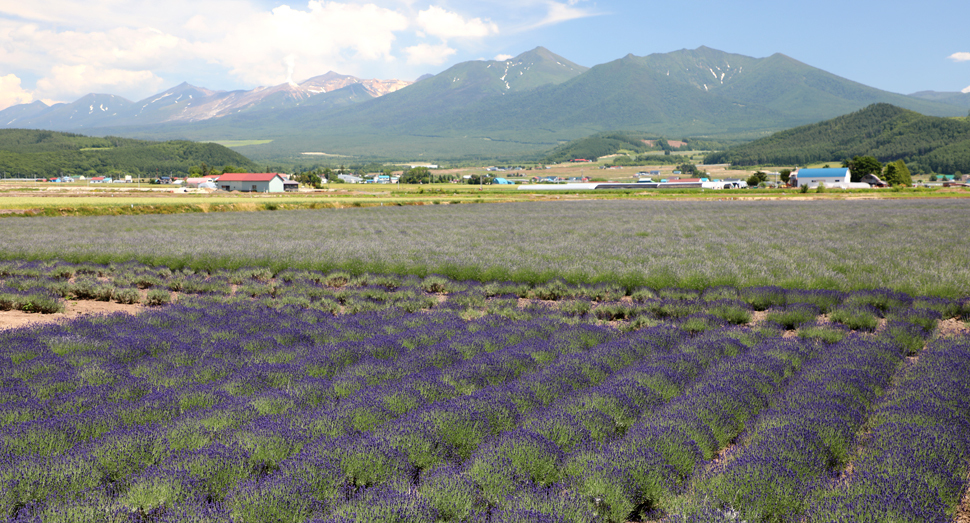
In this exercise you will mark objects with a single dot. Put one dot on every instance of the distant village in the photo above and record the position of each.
(809, 178)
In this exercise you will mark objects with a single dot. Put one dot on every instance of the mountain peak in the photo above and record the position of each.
(541, 54)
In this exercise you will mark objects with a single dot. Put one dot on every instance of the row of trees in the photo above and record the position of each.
(893, 173)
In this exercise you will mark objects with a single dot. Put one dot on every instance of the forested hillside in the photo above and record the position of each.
(29, 153)
(889, 133)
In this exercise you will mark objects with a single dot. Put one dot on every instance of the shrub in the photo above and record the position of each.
(643, 294)
(732, 311)
(158, 297)
(554, 290)
(129, 296)
(42, 303)
(793, 316)
(823, 333)
(762, 298)
(858, 317)
(575, 307)
(439, 284)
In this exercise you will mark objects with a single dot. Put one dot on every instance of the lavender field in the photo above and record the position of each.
(915, 246)
(305, 396)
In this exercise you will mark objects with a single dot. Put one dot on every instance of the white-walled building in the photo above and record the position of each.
(251, 182)
(832, 178)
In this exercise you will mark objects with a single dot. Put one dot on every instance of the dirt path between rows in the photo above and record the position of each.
(72, 309)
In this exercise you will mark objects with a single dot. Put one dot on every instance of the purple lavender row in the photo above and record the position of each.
(424, 383)
(533, 455)
(351, 468)
(443, 480)
(605, 357)
(804, 438)
(209, 362)
(459, 425)
(262, 445)
(913, 466)
(330, 291)
(633, 476)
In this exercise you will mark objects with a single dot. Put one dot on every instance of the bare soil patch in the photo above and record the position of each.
(963, 511)
(72, 309)
(951, 327)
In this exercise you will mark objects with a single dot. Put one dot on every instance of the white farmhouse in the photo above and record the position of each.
(251, 182)
(832, 178)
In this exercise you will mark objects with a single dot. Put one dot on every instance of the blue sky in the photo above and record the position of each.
(59, 50)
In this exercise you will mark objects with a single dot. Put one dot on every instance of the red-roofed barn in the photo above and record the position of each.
(251, 182)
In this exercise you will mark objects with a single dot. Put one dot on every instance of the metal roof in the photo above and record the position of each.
(836, 172)
(248, 177)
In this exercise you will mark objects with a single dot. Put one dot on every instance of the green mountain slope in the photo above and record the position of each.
(453, 90)
(472, 117)
(925, 143)
(31, 153)
(489, 109)
(802, 92)
(623, 94)
(409, 123)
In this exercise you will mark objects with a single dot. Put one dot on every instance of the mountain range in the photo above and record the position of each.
(188, 103)
(516, 108)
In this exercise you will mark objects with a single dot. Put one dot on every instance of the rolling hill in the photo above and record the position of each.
(29, 153)
(887, 132)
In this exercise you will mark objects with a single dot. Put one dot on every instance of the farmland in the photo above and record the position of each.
(915, 246)
(582, 361)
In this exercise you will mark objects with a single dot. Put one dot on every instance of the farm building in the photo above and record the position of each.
(350, 178)
(198, 182)
(832, 178)
(251, 182)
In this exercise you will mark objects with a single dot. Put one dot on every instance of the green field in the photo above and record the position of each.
(599, 361)
(833, 244)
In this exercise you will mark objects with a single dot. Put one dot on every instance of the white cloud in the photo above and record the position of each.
(426, 54)
(71, 63)
(558, 12)
(11, 93)
(446, 24)
(122, 47)
(503, 57)
(269, 47)
(77, 80)
(960, 57)
(61, 49)
(966, 89)
(255, 46)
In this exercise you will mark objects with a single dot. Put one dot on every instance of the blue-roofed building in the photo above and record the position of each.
(837, 177)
